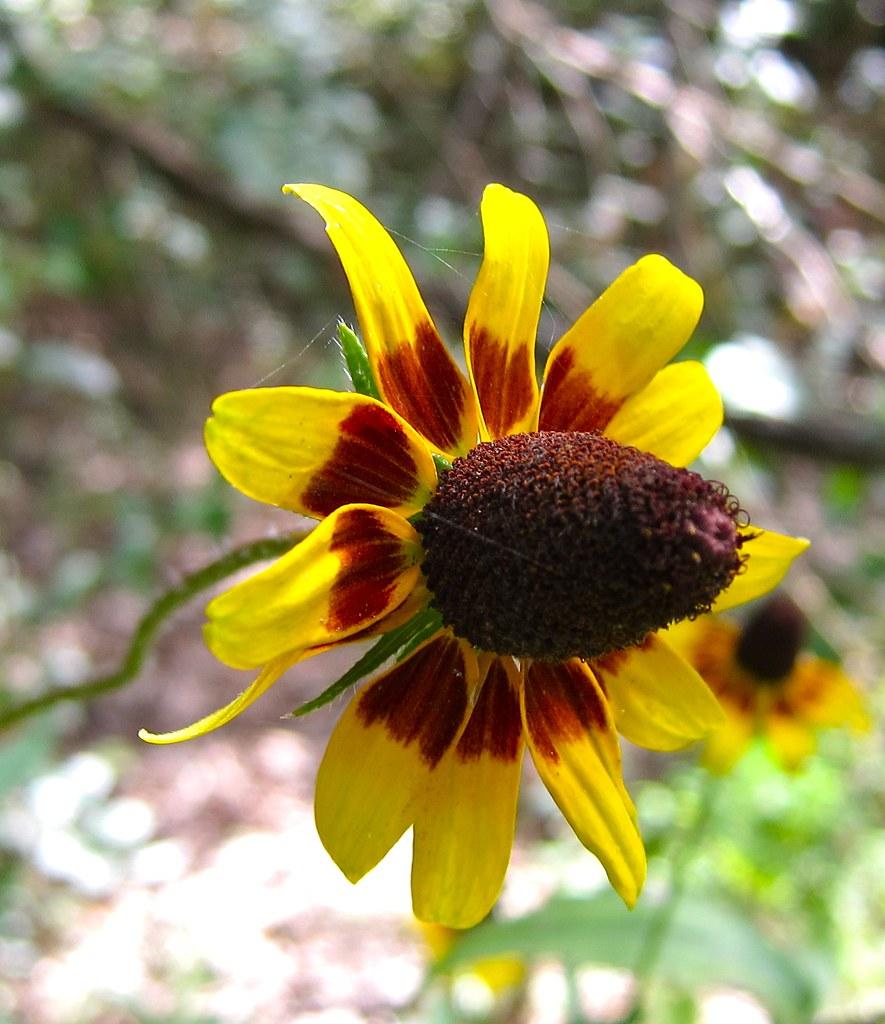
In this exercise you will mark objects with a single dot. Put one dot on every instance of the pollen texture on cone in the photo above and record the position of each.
(558, 545)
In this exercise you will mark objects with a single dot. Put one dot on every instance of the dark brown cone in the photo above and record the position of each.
(558, 545)
(771, 639)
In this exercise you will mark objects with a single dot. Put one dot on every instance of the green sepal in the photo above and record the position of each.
(356, 362)
(442, 463)
(398, 643)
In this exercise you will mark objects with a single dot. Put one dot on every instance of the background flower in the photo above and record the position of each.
(767, 685)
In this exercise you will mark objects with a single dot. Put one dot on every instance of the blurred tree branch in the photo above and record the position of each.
(567, 58)
(172, 159)
(166, 154)
(146, 630)
(696, 118)
(713, 132)
(827, 440)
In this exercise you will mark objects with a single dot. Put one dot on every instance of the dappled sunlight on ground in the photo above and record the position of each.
(231, 910)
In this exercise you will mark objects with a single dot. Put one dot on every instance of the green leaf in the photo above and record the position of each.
(708, 942)
(845, 488)
(21, 759)
(397, 643)
(440, 1010)
(356, 362)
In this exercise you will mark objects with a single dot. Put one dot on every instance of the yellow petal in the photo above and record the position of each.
(388, 741)
(353, 569)
(791, 741)
(313, 451)
(415, 373)
(657, 699)
(724, 748)
(497, 973)
(820, 693)
(417, 600)
(575, 750)
(615, 348)
(769, 557)
(708, 644)
(268, 676)
(464, 822)
(673, 416)
(502, 315)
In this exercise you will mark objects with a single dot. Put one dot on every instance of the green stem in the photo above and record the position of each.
(150, 622)
(574, 1013)
(655, 937)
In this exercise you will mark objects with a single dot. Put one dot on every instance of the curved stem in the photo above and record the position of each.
(655, 937)
(150, 622)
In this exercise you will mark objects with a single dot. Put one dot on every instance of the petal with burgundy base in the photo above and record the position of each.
(413, 369)
(386, 745)
(465, 820)
(356, 567)
(617, 346)
(502, 315)
(573, 744)
(312, 451)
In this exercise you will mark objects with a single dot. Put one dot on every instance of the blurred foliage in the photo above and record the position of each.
(148, 263)
(708, 944)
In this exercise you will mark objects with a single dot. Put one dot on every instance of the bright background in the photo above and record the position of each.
(148, 263)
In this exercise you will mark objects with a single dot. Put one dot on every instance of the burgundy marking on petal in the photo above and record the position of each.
(495, 726)
(611, 663)
(503, 385)
(570, 402)
(807, 689)
(424, 386)
(372, 560)
(561, 704)
(744, 701)
(783, 708)
(370, 463)
(421, 700)
(712, 657)
(747, 703)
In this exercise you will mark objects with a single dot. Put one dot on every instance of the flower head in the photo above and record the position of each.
(546, 536)
(500, 976)
(766, 685)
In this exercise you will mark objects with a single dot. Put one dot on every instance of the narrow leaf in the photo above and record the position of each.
(432, 624)
(407, 636)
(356, 362)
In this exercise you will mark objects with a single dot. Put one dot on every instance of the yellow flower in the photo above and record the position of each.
(499, 974)
(558, 539)
(766, 686)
